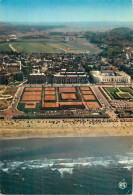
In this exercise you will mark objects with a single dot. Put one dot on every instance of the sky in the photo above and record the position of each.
(65, 10)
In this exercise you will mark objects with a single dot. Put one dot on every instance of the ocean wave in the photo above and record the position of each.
(126, 162)
(67, 165)
(13, 164)
(130, 153)
(129, 168)
(6, 170)
(1, 164)
(62, 171)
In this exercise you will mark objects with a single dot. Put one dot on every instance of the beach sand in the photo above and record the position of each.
(62, 128)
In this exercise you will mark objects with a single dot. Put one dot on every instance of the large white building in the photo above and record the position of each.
(110, 77)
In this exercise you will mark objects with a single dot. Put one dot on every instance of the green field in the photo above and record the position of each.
(126, 89)
(119, 93)
(51, 45)
(34, 47)
(4, 47)
(123, 95)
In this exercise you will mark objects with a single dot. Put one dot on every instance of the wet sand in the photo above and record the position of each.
(20, 129)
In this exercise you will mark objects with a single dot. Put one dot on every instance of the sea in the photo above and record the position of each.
(100, 165)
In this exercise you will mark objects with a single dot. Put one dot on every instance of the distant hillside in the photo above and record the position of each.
(115, 40)
(10, 28)
(121, 31)
(117, 36)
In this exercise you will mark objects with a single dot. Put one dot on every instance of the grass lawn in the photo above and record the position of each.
(75, 46)
(34, 47)
(126, 89)
(21, 107)
(47, 47)
(112, 91)
(5, 47)
(51, 45)
(124, 95)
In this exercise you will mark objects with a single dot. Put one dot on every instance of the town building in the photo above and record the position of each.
(5, 78)
(110, 77)
(71, 78)
(36, 77)
(13, 67)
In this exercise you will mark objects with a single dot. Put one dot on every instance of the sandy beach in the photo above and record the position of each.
(18, 129)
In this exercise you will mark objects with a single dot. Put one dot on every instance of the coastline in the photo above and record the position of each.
(54, 129)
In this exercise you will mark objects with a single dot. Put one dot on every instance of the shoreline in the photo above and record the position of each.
(19, 133)
(46, 137)
(42, 128)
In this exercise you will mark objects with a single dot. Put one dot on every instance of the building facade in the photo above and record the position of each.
(71, 78)
(108, 77)
(13, 67)
(37, 78)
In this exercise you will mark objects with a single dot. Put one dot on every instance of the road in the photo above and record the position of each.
(12, 109)
(104, 102)
(13, 49)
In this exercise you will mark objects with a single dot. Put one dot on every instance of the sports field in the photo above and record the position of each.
(92, 105)
(49, 89)
(34, 47)
(33, 89)
(67, 89)
(49, 92)
(86, 92)
(36, 99)
(30, 105)
(31, 96)
(85, 88)
(50, 98)
(89, 97)
(51, 45)
(68, 96)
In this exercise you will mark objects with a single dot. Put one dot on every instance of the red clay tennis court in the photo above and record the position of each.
(49, 98)
(32, 96)
(67, 89)
(68, 96)
(89, 97)
(93, 105)
(49, 92)
(87, 92)
(50, 105)
(71, 103)
(33, 89)
(49, 89)
(85, 88)
(30, 105)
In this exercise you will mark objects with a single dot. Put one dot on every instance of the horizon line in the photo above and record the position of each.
(55, 22)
